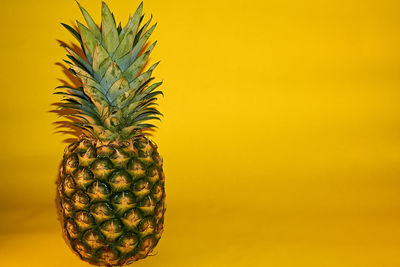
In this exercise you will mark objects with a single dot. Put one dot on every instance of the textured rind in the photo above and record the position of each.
(112, 199)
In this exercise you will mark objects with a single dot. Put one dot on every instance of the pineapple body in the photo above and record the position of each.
(112, 199)
(111, 185)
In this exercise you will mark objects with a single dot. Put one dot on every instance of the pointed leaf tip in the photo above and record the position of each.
(89, 41)
(72, 31)
(139, 9)
(109, 30)
(104, 5)
(90, 22)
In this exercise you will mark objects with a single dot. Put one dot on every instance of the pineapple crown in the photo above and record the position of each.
(116, 99)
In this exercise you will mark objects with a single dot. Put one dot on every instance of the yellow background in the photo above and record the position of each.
(281, 136)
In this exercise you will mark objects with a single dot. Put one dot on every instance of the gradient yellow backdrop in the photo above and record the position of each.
(281, 136)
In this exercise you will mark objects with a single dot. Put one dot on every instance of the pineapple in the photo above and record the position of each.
(111, 181)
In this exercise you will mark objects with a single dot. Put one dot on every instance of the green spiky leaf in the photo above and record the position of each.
(108, 29)
(73, 32)
(90, 22)
(119, 86)
(124, 46)
(101, 62)
(89, 41)
(146, 125)
(138, 47)
(81, 61)
(138, 81)
(116, 98)
(112, 74)
(134, 69)
(97, 98)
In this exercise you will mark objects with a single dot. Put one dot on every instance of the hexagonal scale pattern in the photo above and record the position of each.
(112, 197)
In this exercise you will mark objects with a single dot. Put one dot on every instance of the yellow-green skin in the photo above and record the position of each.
(112, 199)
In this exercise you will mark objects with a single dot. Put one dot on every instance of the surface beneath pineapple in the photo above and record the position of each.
(251, 238)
